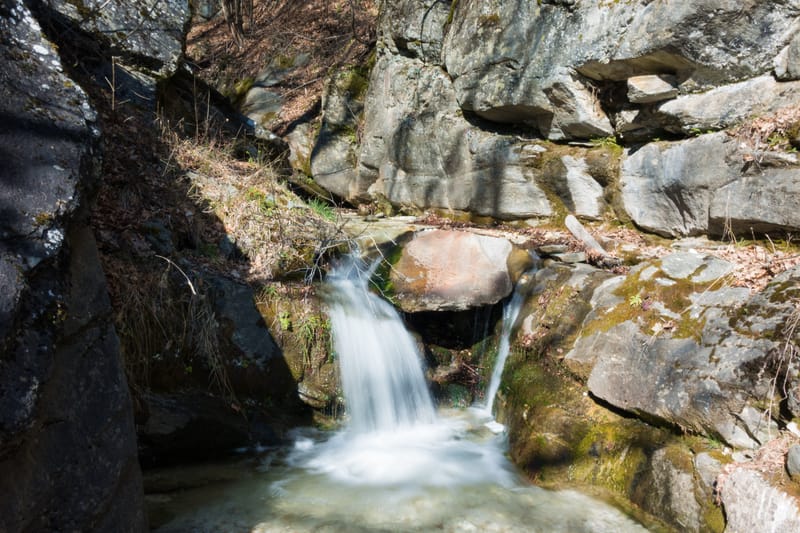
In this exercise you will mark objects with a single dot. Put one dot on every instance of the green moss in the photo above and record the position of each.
(382, 279)
(354, 81)
(451, 13)
(242, 87)
(640, 299)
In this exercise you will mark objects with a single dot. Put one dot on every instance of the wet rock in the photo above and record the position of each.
(752, 504)
(451, 270)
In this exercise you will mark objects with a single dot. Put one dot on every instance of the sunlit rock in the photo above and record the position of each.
(451, 270)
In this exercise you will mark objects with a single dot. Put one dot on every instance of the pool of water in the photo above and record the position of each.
(450, 476)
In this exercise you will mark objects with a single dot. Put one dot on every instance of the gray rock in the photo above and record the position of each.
(553, 248)
(651, 88)
(727, 105)
(787, 62)
(536, 71)
(580, 233)
(793, 461)
(667, 188)
(752, 504)
(672, 497)
(301, 143)
(585, 194)
(414, 28)
(334, 157)
(147, 38)
(570, 257)
(262, 105)
(764, 203)
(188, 427)
(707, 469)
(419, 151)
(697, 268)
(234, 304)
(63, 392)
(705, 380)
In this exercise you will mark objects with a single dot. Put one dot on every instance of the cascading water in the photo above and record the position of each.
(510, 314)
(383, 382)
(397, 466)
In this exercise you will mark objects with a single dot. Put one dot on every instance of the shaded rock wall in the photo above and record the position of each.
(65, 412)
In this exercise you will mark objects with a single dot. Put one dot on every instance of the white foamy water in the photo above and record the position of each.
(379, 363)
(398, 465)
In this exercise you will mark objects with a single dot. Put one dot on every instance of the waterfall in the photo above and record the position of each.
(510, 314)
(382, 379)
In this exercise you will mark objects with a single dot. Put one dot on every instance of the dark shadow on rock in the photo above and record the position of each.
(185, 327)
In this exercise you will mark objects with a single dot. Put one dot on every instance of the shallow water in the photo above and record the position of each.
(397, 466)
(451, 476)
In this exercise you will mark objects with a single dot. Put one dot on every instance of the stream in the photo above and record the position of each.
(397, 465)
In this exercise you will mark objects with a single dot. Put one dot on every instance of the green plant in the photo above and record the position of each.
(322, 209)
(635, 300)
(285, 320)
(605, 142)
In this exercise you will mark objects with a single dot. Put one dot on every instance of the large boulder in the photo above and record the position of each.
(727, 105)
(521, 62)
(710, 184)
(666, 188)
(132, 46)
(440, 270)
(419, 151)
(672, 344)
(66, 419)
(148, 37)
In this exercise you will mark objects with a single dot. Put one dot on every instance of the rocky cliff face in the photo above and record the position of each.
(680, 117)
(67, 443)
(461, 97)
